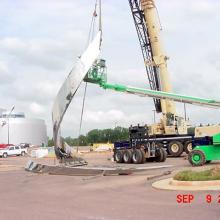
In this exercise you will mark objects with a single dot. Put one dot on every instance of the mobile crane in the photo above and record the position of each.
(172, 130)
(149, 141)
(171, 125)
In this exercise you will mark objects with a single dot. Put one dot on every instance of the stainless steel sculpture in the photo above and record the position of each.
(71, 85)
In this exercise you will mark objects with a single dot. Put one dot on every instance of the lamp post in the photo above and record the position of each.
(8, 120)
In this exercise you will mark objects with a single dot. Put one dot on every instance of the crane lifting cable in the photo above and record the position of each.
(69, 89)
(90, 38)
(92, 25)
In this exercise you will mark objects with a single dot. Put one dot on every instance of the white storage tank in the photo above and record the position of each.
(16, 129)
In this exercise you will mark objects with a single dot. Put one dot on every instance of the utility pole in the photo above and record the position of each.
(185, 116)
(8, 122)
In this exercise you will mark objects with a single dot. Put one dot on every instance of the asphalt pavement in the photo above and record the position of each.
(25, 195)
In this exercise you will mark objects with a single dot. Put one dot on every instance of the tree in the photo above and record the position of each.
(50, 142)
(97, 136)
(69, 140)
(93, 136)
(82, 140)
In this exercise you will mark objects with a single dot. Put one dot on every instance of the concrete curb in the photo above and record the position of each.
(195, 183)
(170, 184)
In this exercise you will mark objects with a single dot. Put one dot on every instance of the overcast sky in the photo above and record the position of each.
(40, 41)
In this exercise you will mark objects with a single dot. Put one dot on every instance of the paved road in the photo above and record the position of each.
(25, 195)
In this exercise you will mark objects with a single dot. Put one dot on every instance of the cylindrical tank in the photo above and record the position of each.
(16, 129)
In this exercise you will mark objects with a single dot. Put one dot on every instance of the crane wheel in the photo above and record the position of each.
(187, 146)
(118, 156)
(196, 158)
(164, 155)
(161, 155)
(137, 156)
(175, 148)
(127, 156)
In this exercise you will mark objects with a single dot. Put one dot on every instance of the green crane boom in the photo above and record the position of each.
(162, 95)
(97, 75)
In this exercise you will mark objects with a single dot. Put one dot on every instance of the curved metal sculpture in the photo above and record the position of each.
(70, 87)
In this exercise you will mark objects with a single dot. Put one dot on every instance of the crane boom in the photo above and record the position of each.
(146, 22)
(159, 58)
(143, 36)
(148, 29)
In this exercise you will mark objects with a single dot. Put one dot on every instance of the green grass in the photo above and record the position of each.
(189, 175)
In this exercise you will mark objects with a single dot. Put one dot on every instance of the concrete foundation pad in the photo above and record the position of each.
(86, 170)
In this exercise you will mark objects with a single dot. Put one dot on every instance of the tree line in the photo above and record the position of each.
(97, 136)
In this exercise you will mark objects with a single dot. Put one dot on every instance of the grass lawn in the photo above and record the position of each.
(189, 175)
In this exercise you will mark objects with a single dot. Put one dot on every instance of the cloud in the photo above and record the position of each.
(5, 76)
(204, 7)
(46, 53)
(112, 115)
(13, 45)
(36, 108)
(41, 40)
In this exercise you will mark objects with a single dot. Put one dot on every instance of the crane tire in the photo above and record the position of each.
(137, 156)
(164, 155)
(118, 156)
(127, 156)
(187, 146)
(159, 155)
(175, 148)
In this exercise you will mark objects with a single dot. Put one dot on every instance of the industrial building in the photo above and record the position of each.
(15, 128)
